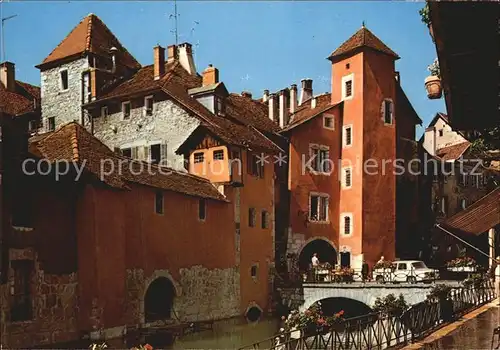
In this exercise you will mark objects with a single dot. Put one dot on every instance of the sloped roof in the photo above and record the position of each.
(438, 116)
(91, 35)
(21, 101)
(250, 112)
(305, 113)
(452, 152)
(74, 143)
(477, 218)
(405, 104)
(362, 38)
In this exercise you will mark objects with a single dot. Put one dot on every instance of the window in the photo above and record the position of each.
(347, 183)
(253, 271)
(21, 291)
(328, 122)
(251, 217)
(127, 152)
(32, 125)
(320, 156)
(402, 266)
(441, 132)
(265, 219)
(64, 80)
(387, 111)
(255, 166)
(51, 123)
(159, 202)
(463, 203)
(318, 208)
(148, 105)
(155, 153)
(347, 135)
(347, 65)
(199, 157)
(348, 88)
(126, 110)
(346, 224)
(202, 209)
(104, 111)
(219, 155)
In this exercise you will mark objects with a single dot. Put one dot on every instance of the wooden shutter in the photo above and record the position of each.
(146, 153)
(135, 152)
(163, 154)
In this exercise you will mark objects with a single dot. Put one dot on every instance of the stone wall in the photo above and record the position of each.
(54, 308)
(65, 106)
(202, 294)
(295, 242)
(169, 124)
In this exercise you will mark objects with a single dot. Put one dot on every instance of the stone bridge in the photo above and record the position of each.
(303, 298)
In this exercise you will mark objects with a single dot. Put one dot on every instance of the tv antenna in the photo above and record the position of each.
(4, 19)
(175, 15)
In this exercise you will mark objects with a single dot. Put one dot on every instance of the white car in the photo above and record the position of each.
(411, 271)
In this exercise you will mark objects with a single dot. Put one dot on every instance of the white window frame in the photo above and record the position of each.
(147, 98)
(329, 116)
(104, 115)
(392, 111)
(123, 110)
(342, 224)
(344, 182)
(345, 79)
(61, 81)
(315, 146)
(344, 138)
(319, 195)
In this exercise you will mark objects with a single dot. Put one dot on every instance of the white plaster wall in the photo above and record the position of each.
(169, 124)
(65, 106)
(449, 137)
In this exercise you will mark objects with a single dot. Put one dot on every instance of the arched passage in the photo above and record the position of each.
(158, 300)
(325, 250)
(351, 307)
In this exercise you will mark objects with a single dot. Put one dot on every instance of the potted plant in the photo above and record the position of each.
(462, 264)
(426, 19)
(433, 82)
(390, 305)
(312, 321)
(441, 294)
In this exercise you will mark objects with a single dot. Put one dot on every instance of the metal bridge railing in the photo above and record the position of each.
(383, 331)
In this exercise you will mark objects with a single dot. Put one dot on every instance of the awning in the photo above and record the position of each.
(478, 218)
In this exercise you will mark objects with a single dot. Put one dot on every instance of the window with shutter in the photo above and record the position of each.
(146, 153)
(155, 155)
(346, 224)
(347, 136)
(134, 152)
(387, 111)
(163, 154)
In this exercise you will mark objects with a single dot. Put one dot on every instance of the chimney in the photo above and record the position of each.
(246, 94)
(265, 97)
(159, 61)
(172, 53)
(293, 98)
(272, 106)
(8, 76)
(313, 102)
(210, 75)
(283, 108)
(185, 52)
(306, 91)
(113, 52)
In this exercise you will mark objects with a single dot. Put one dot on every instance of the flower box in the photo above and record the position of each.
(462, 269)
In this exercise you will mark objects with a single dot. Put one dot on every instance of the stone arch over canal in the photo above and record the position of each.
(326, 250)
(158, 297)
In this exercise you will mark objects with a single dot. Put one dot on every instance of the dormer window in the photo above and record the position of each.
(220, 106)
(148, 105)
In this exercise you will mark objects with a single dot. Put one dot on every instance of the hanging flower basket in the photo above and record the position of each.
(433, 87)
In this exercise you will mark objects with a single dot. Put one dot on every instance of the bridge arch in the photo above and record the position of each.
(158, 297)
(325, 248)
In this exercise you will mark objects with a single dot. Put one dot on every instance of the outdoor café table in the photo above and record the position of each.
(323, 274)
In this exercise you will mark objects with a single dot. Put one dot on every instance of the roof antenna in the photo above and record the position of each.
(175, 31)
(4, 19)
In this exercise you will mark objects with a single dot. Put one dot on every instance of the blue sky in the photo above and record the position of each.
(255, 45)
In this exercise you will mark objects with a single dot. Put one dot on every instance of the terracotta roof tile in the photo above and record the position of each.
(452, 152)
(305, 112)
(477, 218)
(250, 112)
(362, 38)
(74, 143)
(91, 35)
(21, 101)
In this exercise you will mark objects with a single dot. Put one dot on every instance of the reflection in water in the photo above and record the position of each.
(228, 334)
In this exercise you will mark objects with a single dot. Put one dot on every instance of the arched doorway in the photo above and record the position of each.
(159, 300)
(326, 253)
